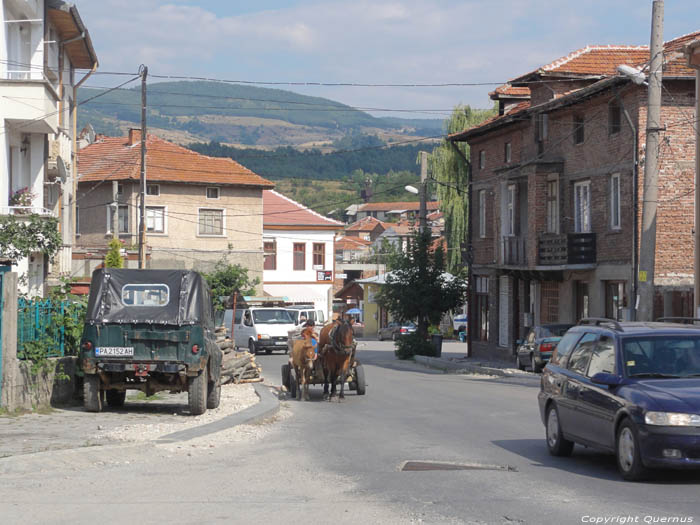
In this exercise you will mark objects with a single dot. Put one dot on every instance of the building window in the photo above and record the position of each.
(482, 214)
(212, 193)
(123, 219)
(614, 117)
(542, 128)
(211, 222)
(615, 201)
(153, 189)
(582, 207)
(120, 189)
(320, 255)
(270, 249)
(299, 256)
(553, 206)
(482, 159)
(77, 220)
(578, 129)
(482, 308)
(506, 152)
(155, 219)
(509, 225)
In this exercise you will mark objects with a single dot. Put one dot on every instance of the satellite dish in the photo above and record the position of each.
(90, 135)
(61, 167)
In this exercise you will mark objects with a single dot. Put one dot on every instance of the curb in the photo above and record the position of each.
(463, 368)
(268, 406)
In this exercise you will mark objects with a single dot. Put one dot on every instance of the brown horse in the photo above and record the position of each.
(337, 352)
(302, 359)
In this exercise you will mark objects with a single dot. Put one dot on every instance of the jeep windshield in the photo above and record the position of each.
(272, 317)
(667, 356)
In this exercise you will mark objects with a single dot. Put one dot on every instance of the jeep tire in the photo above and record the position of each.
(214, 394)
(197, 392)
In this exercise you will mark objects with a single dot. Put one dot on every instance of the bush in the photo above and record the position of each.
(411, 345)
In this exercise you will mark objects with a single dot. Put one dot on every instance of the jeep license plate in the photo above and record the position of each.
(114, 351)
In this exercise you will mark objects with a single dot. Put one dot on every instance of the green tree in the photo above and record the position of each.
(447, 166)
(226, 279)
(113, 258)
(20, 236)
(418, 287)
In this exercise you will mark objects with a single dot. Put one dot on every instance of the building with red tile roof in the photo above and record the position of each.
(367, 228)
(199, 209)
(387, 210)
(299, 246)
(557, 195)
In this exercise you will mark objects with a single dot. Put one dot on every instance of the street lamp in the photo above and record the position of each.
(412, 189)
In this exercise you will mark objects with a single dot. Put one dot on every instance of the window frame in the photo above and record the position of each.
(615, 212)
(552, 205)
(482, 159)
(511, 192)
(199, 223)
(119, 219)
(482, 214)
(164, 212)
(218, 193)
(270, 255)
(295, 252)
(318, 249)
(614, 114)
(579, 132)
(157, 192)
(579, 223)
(507, 152)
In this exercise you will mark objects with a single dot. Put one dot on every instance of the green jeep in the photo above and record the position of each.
(150, 330)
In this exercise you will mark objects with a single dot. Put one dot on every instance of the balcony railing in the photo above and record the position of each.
(513, 250)
(567, 248)
(25, 210)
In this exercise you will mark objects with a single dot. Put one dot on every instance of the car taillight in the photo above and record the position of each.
(87, 345)
(404, 330)
(547, 347)
(195, 349)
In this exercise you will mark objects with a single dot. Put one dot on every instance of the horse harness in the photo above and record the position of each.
(339, 348)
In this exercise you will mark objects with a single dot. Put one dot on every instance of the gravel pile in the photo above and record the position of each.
(234, 398)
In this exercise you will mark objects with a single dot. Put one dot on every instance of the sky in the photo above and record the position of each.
(365, 42)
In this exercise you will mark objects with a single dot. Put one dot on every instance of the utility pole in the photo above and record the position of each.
(423, 216)
(142, 221)
(647, 255)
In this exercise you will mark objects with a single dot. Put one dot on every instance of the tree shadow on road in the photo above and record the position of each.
(588, 462)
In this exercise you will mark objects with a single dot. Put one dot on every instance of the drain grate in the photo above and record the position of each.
(421, 466)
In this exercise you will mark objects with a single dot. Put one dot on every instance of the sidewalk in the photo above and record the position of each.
(454, 360)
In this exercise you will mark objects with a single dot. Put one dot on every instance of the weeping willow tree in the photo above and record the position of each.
(449, 169)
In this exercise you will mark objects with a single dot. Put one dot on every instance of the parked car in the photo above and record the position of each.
(536, 349)
(150, 330)
(393, 330)
(632, 389)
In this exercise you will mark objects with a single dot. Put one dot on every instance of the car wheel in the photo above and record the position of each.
(251, 348)
(518, 364)
(116, 398)
(91, 393)
(379, 336)
(629, 459)
(556, 443)
(533, 365)
(197, 393)
(214, 394)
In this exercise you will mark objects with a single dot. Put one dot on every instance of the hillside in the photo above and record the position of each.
(240, 115)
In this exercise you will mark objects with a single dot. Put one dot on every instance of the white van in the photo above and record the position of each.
(301, 314)
(263, 328)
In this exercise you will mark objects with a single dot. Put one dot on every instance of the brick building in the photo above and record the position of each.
(555, 176)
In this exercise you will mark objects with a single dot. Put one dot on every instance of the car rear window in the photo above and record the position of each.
(145, 294)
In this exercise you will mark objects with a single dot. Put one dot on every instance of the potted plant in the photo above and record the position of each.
(22, 197)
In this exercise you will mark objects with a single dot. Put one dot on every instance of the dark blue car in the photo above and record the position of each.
(629, 388)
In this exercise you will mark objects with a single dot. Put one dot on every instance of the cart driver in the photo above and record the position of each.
(308, 331)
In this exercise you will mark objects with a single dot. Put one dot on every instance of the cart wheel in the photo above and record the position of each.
(360, 380)
(285, 375)
(293, 384)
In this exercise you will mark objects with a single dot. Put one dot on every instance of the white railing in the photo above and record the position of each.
(26, 210)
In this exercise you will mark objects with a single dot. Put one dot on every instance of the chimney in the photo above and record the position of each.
(134, 136)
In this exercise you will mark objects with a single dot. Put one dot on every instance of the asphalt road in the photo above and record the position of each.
(341, 463)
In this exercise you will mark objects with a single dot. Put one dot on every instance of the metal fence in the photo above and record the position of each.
(42, 320)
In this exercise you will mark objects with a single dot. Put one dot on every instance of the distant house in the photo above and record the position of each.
(388, 210)
(367, 229)
(299, 252)
(199, 209)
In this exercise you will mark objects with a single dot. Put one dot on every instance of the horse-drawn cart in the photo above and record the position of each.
(336, 363)
(355, 379)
